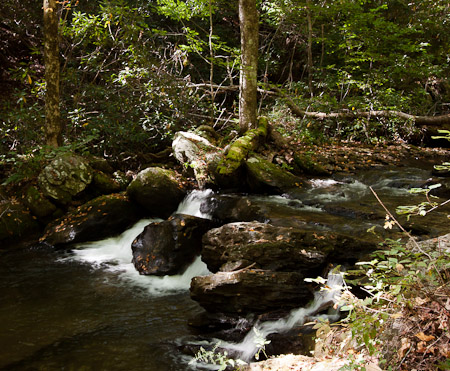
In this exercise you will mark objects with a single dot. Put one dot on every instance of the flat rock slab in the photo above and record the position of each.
(250, 290)
(270, 247)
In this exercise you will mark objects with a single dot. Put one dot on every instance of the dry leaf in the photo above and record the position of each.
(424, 337)
(420, 301)
(397, 315)
(405, 346)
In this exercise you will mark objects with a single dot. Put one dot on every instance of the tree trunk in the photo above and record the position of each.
(249, 22)
(310, 36)
(53, 127)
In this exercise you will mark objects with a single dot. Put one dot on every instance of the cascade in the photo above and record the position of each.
(248, 347)
(192, 204)
(114, 254)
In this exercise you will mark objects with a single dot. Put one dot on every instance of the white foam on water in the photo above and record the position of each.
(192, 203)
(323, 183)
(248, 347)
(114, 254)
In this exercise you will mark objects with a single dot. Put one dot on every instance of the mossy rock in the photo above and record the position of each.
(307, 164)
(228, 171)
(38, 204)
(65, 177)
(264, 176)
(104, 183)
(16, 222)
(158, 190)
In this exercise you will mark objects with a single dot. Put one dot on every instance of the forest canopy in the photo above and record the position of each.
(134, 72)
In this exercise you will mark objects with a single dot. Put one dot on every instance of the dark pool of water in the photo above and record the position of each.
(70, 316)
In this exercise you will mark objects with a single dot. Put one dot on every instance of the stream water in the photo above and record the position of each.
(88, 309)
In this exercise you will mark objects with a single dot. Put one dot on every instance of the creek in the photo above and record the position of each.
(88, 309)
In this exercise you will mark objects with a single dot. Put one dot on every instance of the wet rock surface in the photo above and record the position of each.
(168, 247)
(102, 217)
(264, 246)
(250, 290)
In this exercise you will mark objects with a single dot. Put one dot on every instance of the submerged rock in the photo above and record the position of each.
(168, 247)
(250, 290)
(158, 190)
(65, 177)
(102, 217)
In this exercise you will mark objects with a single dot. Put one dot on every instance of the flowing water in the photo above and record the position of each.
(88, 309)
(251, 344)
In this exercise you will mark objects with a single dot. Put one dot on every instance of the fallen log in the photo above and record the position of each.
(437, 121)
(441, 121)
(226, 170)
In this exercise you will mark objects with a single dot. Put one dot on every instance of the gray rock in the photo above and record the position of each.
(65, 177)
(250, 290)
(196, 153)
(237, 245)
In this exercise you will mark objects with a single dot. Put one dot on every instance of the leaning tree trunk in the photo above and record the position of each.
(51, 60)
(249, 22)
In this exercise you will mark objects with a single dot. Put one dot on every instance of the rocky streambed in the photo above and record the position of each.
(260, 231)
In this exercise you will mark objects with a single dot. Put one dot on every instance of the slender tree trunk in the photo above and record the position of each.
(249, 23)
(211, 57)
(309, 52)
(51, 60)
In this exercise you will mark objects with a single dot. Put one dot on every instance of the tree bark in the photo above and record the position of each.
(249, 24)
(309, 51)
(53, 127)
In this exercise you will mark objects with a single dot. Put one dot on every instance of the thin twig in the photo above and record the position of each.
(442, 204)
(399, 225)
(408, 234)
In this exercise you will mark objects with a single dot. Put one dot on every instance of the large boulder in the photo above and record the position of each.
(102, 217)
(168, 247)
(250, 290)
(65, 177)
(237, 245)
(266, 177)
(196, 153)
(158, 190)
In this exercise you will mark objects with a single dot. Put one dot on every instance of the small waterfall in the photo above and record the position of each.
(194, 204)
(248, 347)
(114, 254)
